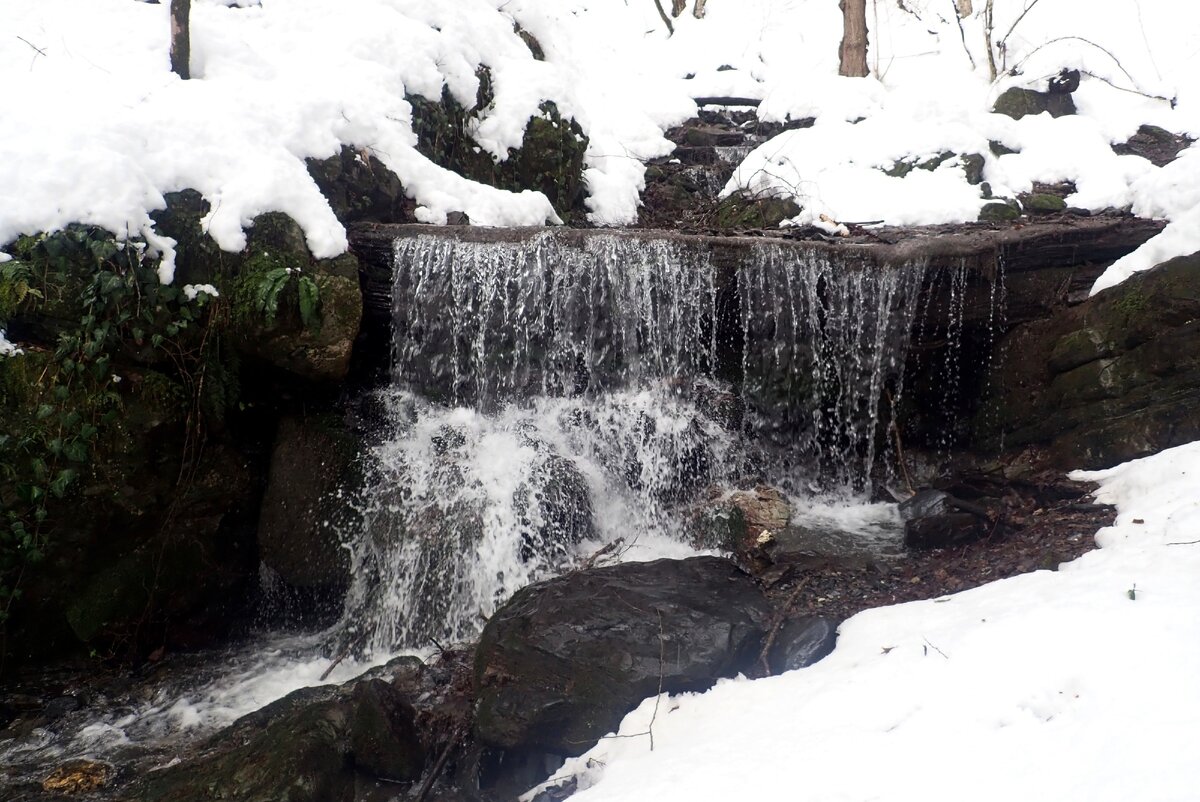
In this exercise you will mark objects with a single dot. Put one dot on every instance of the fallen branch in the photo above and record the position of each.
(764, 663)
(436, 771)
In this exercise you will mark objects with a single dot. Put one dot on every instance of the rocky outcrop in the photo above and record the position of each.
(1111, 379)
(564, 660)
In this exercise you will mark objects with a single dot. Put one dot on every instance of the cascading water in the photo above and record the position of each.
(823, 349)
(582, 368)
(550, 398)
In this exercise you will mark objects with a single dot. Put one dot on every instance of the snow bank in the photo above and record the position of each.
(98, 129)
(1076, 684)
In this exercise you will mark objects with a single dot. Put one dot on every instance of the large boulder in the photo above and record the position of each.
(314, 745)
(563, 662)
(1114, 378)
(298, 534)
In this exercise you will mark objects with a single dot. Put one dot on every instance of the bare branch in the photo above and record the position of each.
(665, 18)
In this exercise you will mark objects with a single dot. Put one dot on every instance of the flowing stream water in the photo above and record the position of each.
(554, 398)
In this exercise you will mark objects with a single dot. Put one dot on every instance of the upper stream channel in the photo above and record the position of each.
(555, 397)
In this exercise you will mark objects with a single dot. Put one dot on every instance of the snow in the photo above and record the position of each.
(99, 129)
(1071, 684)
(7, 348)
(194, 291)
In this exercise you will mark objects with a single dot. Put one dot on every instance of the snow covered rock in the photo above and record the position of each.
(561, 663)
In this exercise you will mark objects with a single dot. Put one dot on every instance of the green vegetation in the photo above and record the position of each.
(92, 300)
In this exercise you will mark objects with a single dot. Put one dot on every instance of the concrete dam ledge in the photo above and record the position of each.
(1063, 241)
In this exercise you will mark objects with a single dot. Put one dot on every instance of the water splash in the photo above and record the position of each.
(466, 508)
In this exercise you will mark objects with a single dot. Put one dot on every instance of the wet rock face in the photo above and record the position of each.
(1114, 378)
(563, 662)
(313, 745)
(297, 535)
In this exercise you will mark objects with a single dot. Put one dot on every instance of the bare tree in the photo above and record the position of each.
(852, 55)
(181, 45)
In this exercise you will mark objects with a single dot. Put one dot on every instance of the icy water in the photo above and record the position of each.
(550, 402)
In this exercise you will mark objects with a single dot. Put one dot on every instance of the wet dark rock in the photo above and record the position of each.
(800, 642)
(564, 503)
(360, 188)
(57, 708)
(311, 746)
(564, 660)
(1158, 145)
(298, 535)
(934, 520)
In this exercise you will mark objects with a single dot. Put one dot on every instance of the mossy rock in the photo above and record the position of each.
(999, 212)
(550, 159)
(269, 299)
(1043, 203)
(1018, 103)
(972, 164)
(739, 211)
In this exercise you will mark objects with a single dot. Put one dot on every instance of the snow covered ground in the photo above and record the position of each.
(96, 128)
(1079, 684)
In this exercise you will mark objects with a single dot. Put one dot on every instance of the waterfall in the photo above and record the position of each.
(554, 396)
(823, 356)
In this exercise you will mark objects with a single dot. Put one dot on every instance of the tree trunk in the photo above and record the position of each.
(677, 7)
(181, 45)
(698, 11)
(852, 56)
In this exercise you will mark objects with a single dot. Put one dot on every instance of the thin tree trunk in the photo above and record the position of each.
(852, 55)
(698, 11)
(181, 45)
(677, 7)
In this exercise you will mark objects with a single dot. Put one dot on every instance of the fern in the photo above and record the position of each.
(267, 291)
(310, 302)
